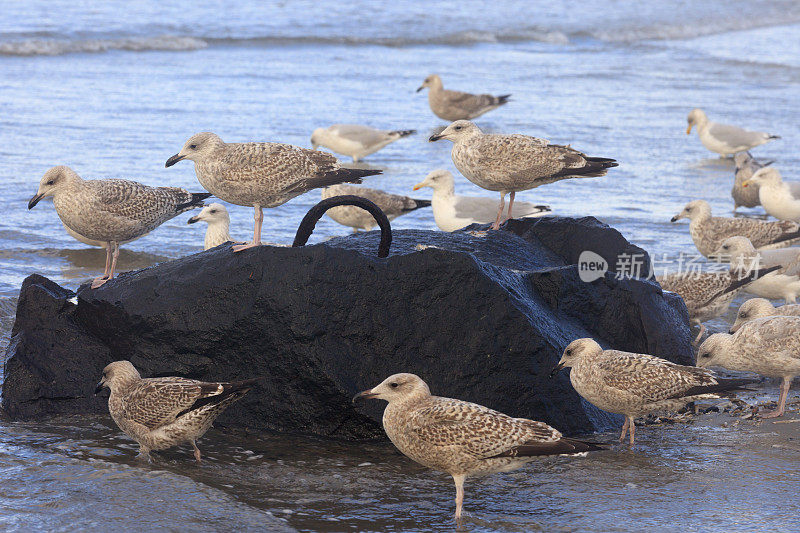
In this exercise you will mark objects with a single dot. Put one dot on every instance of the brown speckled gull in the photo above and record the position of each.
(160, 413)
(635, 384)
(746, 166)
(511, 163)
(111, 211)
(456, 105)
(392, 205)
(261, 174)
(768, 346)
(461, 438)
(761, 308)
(708, 232)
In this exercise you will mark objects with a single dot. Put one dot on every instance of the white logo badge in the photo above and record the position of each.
(591, 266)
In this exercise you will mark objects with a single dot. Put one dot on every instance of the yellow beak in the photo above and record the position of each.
(745, 183)
(688, 129)
(418, 186)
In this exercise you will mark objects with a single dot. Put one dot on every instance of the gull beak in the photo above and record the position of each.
(688, 129)
(420, 88)
(731, 331)
(418, 186)
(35, 200)
(435, 138)
(193, 220)
(174, 159)
(745, 183)
(675, 218)
(556, 369)
(98, 388)
(365, 395)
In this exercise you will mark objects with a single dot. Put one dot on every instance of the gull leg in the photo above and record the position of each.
(112, 257)
(196, 452)
(632, 426)
(787, 382)
(96, 282)
(510, 205)
(699, 335)
(259, 218)
(144, 454)
(624, 430)
(459, 479)
(496, 224)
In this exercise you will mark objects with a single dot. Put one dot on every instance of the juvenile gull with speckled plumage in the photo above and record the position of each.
(461, 438)
(761, 308)
(111, 210)
(160, 413)
(635, 384)
(457, 105)
(768, 346)
(392, 205)
(511, 163)
(261, 174)
(708, 231)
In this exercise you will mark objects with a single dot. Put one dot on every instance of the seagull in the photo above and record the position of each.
(708, 231)
(722, 138)
(160, 413)
(461, 438)
(111, 210)
(392, 205)
(781, 199)
(767, 346)
(261, 174)
(511, 163)
(746, 166)
(781, 283)
(453, 212)
(219, 222)
(635, 384)
(455, 105)
(355, 140)
(761, 308)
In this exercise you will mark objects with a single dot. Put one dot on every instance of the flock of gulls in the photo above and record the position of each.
(461, 438)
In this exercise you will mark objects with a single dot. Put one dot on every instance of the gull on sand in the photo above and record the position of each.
(635, 384)
(461, 438)
(453, 212)
(355, 140)
(261, 174)
(392, 205)
(160, 413)
(455, 105)
(511, 163)
(111, 211)
(767, 346)
(722, 138)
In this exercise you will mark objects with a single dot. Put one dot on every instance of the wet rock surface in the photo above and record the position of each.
(481, 316)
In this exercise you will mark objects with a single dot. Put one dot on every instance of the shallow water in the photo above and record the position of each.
(114, 96)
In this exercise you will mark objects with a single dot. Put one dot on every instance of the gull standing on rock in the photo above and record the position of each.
(767, 346)
(455, 105)
(453, 212)
(780, 199)
(461, 438)
(355, 140)
(511, 163)
(635, 384)
(746, 166)
(219, 223)
(761, 308)
(160, 413)
(708, 232)
(782, 283)
(111, 210)
(722, 138)
(392, 205)
(261, 174)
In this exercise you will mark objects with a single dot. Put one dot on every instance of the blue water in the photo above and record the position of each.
(113, 89)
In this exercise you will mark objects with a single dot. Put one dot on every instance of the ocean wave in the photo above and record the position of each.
(55, 47)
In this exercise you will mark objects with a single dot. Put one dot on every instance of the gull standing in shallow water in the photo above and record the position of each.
(219, 223)
(635, 384)
(761, 308)
(746, 166)
(780, 199)
(453, 212)
(722, 138)
(461, 438)
(111, 210)
(160, 413)
(511, 163)
(708, 232)
(355, 140)
(455, 105)
(767, 346)
(392, 205)
(261, 174)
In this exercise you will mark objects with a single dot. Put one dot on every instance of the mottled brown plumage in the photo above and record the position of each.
(392, 205)
(457, 105)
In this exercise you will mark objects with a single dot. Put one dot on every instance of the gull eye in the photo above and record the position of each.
(705, 355)
(50, 182)
(193, 146)
(568, 352)
(213, 211)
(457, 127)
(725, 246)
(393, 385)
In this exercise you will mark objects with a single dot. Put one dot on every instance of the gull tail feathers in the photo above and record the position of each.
(402, 133)
(721, 387)
(419, 204)
(342, 175)
(196, 200)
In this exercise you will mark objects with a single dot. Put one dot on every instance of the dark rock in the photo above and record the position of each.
(481, 317)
